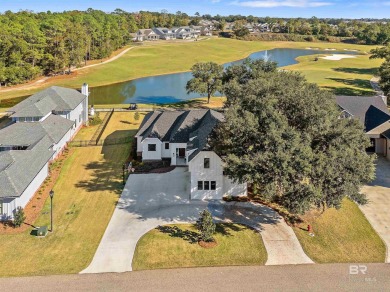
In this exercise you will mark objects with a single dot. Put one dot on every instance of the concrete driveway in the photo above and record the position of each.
(378, 209)
(149, 200)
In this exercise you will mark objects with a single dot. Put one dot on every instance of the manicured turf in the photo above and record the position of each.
(163, 58)
(85, 197)
(173, 248)
(343, 77)
(341, 236)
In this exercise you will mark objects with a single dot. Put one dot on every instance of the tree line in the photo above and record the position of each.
(32, 44)
(47, 43)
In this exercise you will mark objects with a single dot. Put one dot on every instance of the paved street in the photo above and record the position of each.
(149, 200)
(377, 210)
(332, 277)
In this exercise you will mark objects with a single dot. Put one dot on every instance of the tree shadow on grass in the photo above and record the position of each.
(360, 83)
(368, 71)
(174, 231)
(226, 228)
(349, 91)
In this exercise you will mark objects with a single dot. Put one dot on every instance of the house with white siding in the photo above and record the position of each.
(182, 137)
(373, 113)
(41, 127)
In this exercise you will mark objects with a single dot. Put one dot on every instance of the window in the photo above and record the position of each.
(213, 185)
(151, 147)
(200, 185)
(166, 145)
(206, 185)
(1, 207)
(206, 163)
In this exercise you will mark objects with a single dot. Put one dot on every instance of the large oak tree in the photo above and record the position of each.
(284, 136)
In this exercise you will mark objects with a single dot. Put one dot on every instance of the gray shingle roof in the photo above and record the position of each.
(51, 99)
(180, 126)
(23, 166)
(370, 110)
(163, 125)
(29, 133)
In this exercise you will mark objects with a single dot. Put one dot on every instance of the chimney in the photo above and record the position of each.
(84, 89)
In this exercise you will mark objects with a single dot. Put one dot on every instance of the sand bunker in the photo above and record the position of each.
(337, 57)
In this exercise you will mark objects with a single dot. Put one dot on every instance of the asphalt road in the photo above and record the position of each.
(331, 277)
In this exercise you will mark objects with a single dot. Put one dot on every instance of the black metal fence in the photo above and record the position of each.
(103, 142)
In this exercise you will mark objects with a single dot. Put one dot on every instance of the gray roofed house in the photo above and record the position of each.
(57, 99)
(373, 113)
(29, 133)
(22, 168)
(183, 137)
(41, 127)
(370, 110)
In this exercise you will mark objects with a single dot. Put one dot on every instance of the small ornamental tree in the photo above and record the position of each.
(136, 116)
(19, 217)
(206, 226)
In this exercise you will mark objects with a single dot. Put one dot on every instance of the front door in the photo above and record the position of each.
(182, 152)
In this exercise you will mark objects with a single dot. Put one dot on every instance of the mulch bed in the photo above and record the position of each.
(34, 207)
(205, 244)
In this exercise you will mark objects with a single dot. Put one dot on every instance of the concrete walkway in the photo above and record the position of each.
(378, 210)
(280, 241)
(150, 200)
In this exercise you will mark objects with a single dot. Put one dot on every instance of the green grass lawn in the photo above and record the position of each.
(343, 77)
(86, 193)
(167, 247)
(170, 57)
(343, 236)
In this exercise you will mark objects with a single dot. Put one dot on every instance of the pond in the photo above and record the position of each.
(170, 88)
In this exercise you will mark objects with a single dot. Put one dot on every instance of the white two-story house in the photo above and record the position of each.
(42, 126)
(182, 138)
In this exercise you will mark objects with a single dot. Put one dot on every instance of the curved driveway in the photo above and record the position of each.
(377, 211)
(149, 200)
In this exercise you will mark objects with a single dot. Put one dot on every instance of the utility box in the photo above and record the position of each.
(42, 231)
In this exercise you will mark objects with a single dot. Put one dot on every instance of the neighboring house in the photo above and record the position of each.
(165, 33)
(146, 35)
(182, 137)
(42, 126)
(374, 115)
(205, 31)
(188, 32)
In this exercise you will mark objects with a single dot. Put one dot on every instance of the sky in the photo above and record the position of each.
(272, 8)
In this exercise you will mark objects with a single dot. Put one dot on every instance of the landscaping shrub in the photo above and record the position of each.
(19, 217)
(206, 226)
(95, 120)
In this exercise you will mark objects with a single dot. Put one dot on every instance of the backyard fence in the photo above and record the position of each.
(99, 132)
(103, 142)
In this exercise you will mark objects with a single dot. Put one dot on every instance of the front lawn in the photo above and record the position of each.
(341, 236)
(175, 246)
